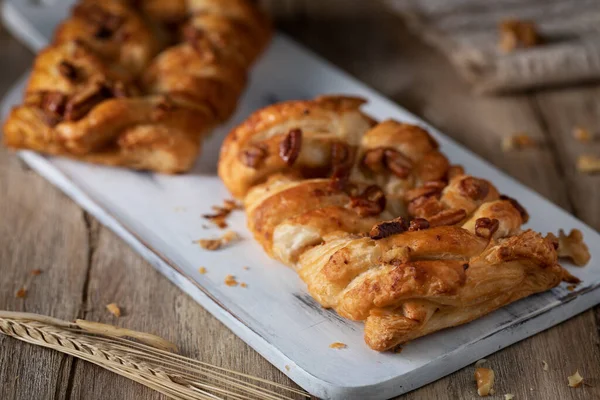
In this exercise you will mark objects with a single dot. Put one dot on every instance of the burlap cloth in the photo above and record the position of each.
(466, 31)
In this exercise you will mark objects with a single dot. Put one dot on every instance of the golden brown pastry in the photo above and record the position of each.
(138, 83)
(378, 223)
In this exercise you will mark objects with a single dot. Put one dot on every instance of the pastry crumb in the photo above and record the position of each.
(338, 345)
(243, 284)
(36, 272)
(571, 288)
(202, 270)
(545, 366)
(485, 381)
(215, 244)
(517, 142)
(246, 268)
(588, 164)
(582, 134)
(21, 293)
(509, 396)
(575, 380)
(230, 280)
(516, 33)
(287, 367)
(571, 246)
(114, 309)
(222, 212)
(479, 363)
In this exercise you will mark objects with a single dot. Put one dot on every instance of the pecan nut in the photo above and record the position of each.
(341, 160)
(474, 188)
(68, 70)
(448, 217)
(518, 207)
(290, 146)
(254, 155)
(388, 228)
(398, 163)
(53, 106)
(80, 104)
(418, 224)
(370, 202)
(486, 227)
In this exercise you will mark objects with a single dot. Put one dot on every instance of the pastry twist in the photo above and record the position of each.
(138, 83)
(377, 222)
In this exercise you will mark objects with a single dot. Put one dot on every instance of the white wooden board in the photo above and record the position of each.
(160, 216)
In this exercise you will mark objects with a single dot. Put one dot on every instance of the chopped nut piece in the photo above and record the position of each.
(21, 293)
(479, 363)
(114, 309)
(202, 270)
(338, 345)
(571, 246)
(370, 202)
(244, 285)
(545, 366)
(448, 217)
(486, 227)
(588, 164)
(575, 380)
(215, 244)
(36, 272)
(342, 158)
(515, 33)
(509, 396)
(418, 224)
(474, 188)
(485, 381)
(582, 134)
(222, 212)
(517, 142)
(230, 280)
(287, 367)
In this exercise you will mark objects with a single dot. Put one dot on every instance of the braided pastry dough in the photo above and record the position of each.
(138, 83)
(378, 223)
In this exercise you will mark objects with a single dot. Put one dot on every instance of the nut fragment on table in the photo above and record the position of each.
(509, 396)
(517, 142)
(202, 270)
(575, 380)
(485, 381)
(582, 134)
(338, 345)
(114, 309)
(545, 366)
(230, 280)
(222, 212)
(572, 246)
(588, 164)
(21, 293)
(515, 34)
(215, 244)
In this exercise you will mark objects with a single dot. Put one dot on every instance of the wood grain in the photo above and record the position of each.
(86, 266)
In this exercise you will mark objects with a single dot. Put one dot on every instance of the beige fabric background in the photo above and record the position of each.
(466, 32)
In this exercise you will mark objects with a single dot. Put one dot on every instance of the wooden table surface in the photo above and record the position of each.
(85, 266)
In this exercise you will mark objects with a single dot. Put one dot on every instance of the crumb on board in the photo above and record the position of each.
(244, 284)
(114, 309)
(479, 363)
(287, 367)
(246, 268)
(545, 365)
(517, 142)
(485, 381)
(516, 33)
(222, 212)
(36, 272)
(215, 244)
(21, 293)
(338, 345)
(582, 134)
(230, 280)
(509, 396)
(202, 270)
(575, 380)
(588, 164)
(571, 246)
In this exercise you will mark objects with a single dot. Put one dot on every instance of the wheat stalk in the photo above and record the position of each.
(144, 360)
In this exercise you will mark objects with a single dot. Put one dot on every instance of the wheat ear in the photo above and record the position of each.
(143, 358)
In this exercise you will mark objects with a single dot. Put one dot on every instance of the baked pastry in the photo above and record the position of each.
(378, 223)
(138, 83)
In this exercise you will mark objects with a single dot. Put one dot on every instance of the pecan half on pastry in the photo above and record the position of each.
(448, 217)
(382, 158)
(254, 155)
(81, 103)
(290, 146)
(476, 189)
(53, 106)
(341, 160)
(418, 224)
(388, 228)
(370, 202)
(486, 227)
